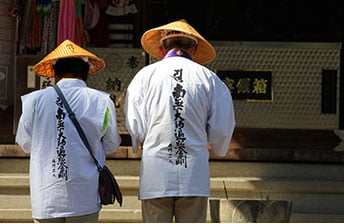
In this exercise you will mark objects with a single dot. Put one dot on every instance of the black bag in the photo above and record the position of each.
(108, 188)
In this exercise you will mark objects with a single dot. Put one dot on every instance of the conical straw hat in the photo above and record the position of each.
(151, 41)
(67, 49)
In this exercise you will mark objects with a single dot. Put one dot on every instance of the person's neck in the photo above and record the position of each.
(68, 76)
(177, 52)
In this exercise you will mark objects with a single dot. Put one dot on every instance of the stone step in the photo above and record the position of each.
(20, 181)
(16, 208)
(316, 190)
(131, 167)
(322, 197)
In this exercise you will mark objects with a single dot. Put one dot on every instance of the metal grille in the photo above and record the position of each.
(297, 70)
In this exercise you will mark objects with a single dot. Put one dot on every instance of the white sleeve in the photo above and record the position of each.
(24, 129)
(111, 138)
(221, 120)
(135, 114)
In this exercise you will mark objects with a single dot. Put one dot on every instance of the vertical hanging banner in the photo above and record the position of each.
(248, 85)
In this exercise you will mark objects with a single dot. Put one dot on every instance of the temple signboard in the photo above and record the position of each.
(248, 85)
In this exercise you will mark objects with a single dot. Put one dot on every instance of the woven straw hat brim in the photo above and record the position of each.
(67, 49)
(150, 41)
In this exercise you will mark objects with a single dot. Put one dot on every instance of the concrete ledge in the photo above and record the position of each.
(316, 218)
(12, 151)
(18, 209)
(253, 144)
(15, 215)
(264, 154)
(233, 184)
(271, 185)
(14, 181)
(316, 190)
(108, 215)
(321, 199)
(263, 170)
(120, 215)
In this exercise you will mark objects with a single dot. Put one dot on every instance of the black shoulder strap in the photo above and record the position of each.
(76, 124)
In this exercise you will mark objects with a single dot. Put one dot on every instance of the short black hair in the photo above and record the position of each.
(75, 66)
